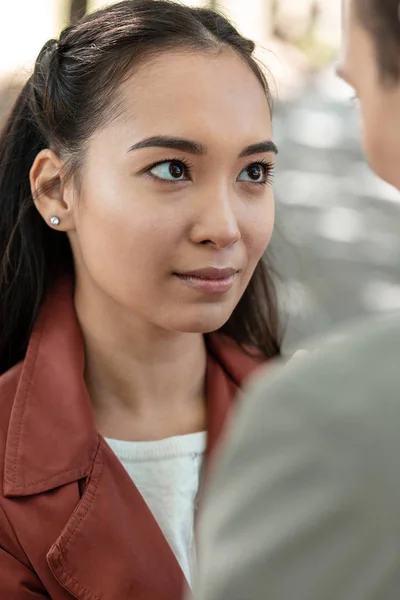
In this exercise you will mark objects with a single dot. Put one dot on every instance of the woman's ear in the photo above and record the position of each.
(50, 195)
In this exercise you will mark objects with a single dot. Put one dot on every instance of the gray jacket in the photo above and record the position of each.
(305, 503)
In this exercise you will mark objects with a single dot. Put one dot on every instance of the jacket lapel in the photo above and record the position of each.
(228, 367)
(112, 548)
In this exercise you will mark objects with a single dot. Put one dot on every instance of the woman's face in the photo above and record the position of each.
(379, 100)
(175, 205)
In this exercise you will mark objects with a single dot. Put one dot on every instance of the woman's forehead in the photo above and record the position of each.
(183, 86)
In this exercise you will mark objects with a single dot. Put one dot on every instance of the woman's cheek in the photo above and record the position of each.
(261, 228)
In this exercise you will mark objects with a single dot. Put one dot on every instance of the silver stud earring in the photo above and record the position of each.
(55, 221)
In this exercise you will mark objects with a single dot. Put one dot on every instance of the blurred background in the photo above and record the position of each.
(336, 247)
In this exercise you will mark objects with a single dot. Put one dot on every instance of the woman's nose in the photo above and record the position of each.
(217, 223)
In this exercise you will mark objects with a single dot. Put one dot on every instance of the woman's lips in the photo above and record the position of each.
(210, 279)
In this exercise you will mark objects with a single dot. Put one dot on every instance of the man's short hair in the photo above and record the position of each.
(381, 19)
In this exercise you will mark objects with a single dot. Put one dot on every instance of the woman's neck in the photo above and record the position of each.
(144, 383)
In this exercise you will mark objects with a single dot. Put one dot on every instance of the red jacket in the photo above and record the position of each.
(72, 523)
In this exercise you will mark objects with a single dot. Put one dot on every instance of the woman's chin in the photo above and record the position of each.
(201, 322)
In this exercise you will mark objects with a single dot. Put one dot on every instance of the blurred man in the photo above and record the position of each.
(305, 504)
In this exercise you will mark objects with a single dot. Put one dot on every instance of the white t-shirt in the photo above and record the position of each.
(167, 474)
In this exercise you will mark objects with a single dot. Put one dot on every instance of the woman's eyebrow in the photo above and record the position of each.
(266, 146)
(192, 147)
(161, 141)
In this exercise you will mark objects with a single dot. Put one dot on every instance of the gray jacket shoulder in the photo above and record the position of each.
(305, 501)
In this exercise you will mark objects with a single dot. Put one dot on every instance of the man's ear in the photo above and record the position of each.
(49, 192)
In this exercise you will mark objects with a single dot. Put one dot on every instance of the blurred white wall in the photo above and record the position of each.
(253, 19)
(24, 27)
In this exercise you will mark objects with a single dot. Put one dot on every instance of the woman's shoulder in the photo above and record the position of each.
(241, 362)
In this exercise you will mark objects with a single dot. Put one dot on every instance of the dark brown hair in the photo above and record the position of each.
(381, 19)
(71, 92)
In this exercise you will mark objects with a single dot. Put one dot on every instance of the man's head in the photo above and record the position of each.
(371, 65)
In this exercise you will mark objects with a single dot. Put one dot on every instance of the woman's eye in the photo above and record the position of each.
(256, 173)
(170, 170)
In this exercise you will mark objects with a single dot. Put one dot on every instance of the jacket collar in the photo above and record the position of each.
(52, 438)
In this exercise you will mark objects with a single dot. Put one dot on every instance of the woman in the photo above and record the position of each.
(135, 208)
